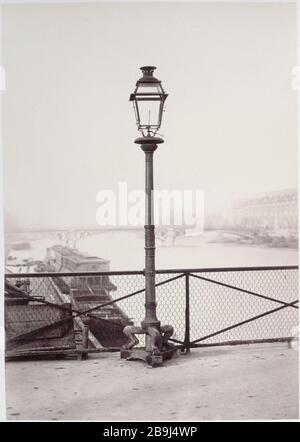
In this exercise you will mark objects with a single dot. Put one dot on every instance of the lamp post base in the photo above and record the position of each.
(158, 348)
(155, 360)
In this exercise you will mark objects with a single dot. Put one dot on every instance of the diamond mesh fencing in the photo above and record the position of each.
(170, 298)
(37, 318)
(222, 299)
(205, 307)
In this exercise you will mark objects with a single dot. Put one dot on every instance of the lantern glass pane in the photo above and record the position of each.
(149, 113)
(149, 88)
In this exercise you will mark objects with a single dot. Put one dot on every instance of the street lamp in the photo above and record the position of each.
(148, 102)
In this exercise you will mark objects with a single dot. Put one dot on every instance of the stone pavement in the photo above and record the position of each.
(221, 383)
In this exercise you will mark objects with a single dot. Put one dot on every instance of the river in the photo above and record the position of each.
(125, 251)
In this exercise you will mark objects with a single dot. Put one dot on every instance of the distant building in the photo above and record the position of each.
(273, 211)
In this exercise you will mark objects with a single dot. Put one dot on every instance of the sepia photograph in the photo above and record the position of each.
(149, 200)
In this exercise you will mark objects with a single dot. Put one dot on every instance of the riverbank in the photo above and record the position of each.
(240, 382)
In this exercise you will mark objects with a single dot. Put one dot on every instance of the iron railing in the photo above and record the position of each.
(207, 307)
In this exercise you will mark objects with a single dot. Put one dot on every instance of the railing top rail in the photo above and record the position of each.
(160, 271)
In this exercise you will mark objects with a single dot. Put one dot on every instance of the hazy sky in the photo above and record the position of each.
(68, 127)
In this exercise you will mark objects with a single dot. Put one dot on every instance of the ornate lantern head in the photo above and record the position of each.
(148, 102)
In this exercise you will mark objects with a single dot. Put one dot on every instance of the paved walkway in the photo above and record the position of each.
(245, 382)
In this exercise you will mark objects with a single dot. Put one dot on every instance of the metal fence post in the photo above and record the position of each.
(187, 313)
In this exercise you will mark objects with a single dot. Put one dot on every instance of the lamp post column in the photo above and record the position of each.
(149, 145)
(157, 347)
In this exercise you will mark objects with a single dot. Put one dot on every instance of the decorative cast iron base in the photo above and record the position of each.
(158, 348)
(154, 360)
